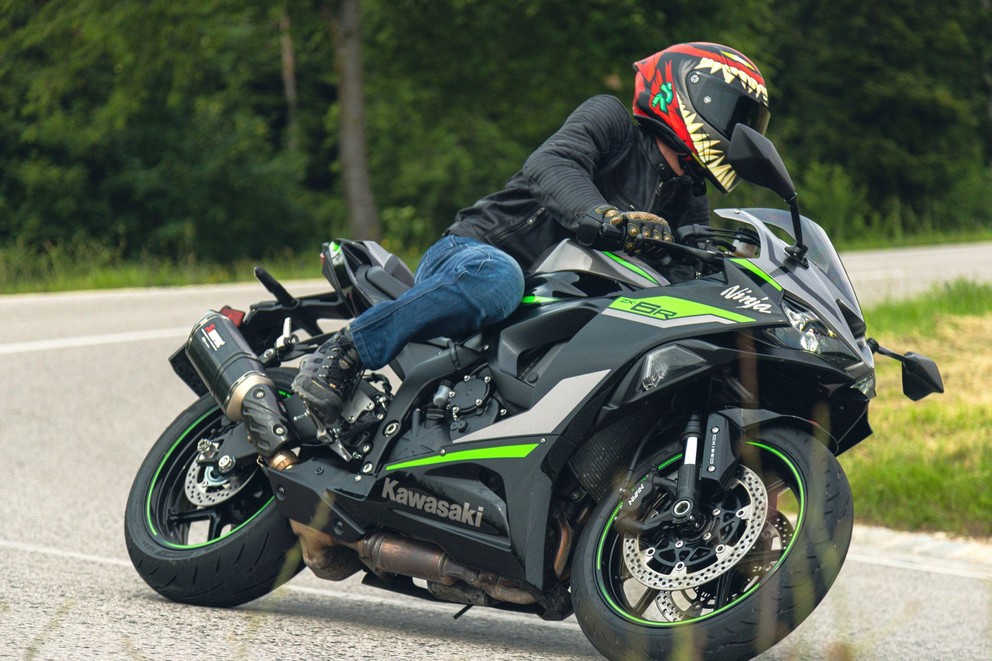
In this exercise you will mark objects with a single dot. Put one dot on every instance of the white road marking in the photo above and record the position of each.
(59, 553)
(93, 340)
(913, 563)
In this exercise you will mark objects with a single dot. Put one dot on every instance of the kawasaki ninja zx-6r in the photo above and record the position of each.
(678, 490)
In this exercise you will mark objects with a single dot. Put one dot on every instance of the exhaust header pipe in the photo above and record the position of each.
(383, 552)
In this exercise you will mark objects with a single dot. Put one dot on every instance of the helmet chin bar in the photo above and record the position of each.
(691, 164)
(663, 132)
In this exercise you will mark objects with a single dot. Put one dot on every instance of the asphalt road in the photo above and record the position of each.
(86, 389)
(892, 274)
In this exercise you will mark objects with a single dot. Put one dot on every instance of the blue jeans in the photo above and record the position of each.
(460, 286)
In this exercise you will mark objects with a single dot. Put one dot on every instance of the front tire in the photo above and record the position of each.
(202, 538)
(739, 584)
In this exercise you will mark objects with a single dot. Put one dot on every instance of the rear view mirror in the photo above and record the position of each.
(754, 158)
(920, 376)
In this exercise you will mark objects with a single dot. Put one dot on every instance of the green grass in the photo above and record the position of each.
(880, 241)
(77, 266)
(920, 315)
(928, 465)
(73, 267)
(93, 266)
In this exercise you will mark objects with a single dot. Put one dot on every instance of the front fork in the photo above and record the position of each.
(709, 463)
(711, 452)
(687, 485)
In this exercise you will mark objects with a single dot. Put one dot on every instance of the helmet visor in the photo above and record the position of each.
(723, 106)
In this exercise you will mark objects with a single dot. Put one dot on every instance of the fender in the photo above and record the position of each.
(752, 421)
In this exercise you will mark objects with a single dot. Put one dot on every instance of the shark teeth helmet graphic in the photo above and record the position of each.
(691, 96)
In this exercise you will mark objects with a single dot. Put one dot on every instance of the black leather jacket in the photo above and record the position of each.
(597, 157)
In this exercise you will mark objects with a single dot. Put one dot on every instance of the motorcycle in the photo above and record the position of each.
(658, 458)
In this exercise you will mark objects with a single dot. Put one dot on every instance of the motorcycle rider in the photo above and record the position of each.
(600, 178)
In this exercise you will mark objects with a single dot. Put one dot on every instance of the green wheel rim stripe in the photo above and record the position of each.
(785, 553)
(151, 489)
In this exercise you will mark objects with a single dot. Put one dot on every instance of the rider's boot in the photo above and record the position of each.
(329, 376)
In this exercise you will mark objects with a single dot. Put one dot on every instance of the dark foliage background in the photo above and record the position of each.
(164, 128)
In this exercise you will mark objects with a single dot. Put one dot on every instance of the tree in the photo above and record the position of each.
(344, 24)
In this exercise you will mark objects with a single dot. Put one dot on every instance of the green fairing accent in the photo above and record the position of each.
(746, 263)
(785, 554)
(503, 452)
(631, 267)
(537, 300)
(335, 248)
(669, 307)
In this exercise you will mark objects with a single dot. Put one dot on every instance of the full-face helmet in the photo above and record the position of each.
(691, 96)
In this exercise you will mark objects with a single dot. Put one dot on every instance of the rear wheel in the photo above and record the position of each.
(198, 534)
(735, 583)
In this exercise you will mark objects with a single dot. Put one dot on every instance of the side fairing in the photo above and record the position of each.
(569, 256)
(630, 325)
(591, 342)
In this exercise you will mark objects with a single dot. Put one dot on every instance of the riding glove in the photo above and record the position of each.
(644, 232)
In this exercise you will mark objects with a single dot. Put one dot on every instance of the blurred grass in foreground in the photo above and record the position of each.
(928, 466)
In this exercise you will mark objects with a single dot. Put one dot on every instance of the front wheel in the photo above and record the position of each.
(732, 584)
(200, 535)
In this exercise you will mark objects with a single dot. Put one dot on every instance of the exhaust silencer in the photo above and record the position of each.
(225, 362)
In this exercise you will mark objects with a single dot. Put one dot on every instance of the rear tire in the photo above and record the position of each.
(773, 585)
(232, 546)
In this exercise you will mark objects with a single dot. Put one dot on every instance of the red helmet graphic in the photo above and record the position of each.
(693, 95)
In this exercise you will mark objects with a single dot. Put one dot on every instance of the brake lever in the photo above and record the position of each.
(658, 249)
(713, 258)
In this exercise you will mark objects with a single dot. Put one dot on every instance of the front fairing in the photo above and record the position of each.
(821, 285)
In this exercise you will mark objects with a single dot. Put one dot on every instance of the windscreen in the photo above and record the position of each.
(821, 250)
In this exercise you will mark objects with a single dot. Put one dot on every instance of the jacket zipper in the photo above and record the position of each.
(623, 198)
(499, 236)
(657, 194)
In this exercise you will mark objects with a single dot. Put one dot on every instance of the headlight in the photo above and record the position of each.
(667, 363)
(810, 334)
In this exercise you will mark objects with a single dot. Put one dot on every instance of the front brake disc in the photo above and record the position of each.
(718, 555)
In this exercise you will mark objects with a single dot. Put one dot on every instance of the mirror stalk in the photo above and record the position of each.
(798, 250)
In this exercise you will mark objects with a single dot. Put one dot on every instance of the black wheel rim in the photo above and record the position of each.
(644, 605)
(173, 520)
